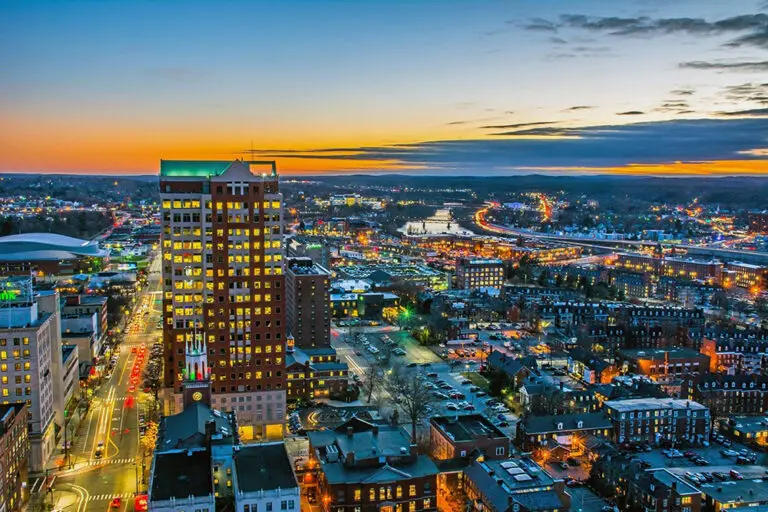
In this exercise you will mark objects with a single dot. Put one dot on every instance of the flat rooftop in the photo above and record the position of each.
(466, 428)
(182, 474)
(642, 404)
(264, 467)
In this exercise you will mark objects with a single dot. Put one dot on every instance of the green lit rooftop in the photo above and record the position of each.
(202, 168)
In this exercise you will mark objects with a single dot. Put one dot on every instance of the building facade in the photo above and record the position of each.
(223, 276)
(308, 310)
(30, 367)
(366, 467)
(478, 274)
(658, 420)
(14, 454)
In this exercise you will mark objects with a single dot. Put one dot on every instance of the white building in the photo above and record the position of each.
(264, 479)
(30, 363)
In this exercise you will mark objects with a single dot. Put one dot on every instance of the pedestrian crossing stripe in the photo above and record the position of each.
(110, 497)
(111, 461)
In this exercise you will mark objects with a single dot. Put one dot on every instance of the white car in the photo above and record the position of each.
(451, 406)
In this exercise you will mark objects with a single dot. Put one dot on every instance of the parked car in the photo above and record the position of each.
(451, 406)
(736, 475)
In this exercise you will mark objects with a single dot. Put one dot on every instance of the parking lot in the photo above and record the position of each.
(712, 454)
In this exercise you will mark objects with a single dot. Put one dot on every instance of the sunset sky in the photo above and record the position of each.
(419, 86)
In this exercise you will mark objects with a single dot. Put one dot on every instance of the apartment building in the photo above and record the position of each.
(658, 420)
(223, 281)
(307, 304)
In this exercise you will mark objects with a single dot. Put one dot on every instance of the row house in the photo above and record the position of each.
(735, 355)
(728, 395)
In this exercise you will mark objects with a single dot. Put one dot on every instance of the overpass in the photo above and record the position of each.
(600, 245)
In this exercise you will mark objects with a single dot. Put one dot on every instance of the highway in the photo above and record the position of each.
(605, 245)
(112, 424)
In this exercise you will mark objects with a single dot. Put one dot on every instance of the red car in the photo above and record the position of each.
(132, 388)
(116, 502)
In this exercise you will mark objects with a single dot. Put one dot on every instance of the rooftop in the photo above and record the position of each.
(187, 428)
(182, 474)
(660, 353)
(521, 480)
(264, 467)
(643, 404)
(202, 168)
(46, 246)
(467, 427)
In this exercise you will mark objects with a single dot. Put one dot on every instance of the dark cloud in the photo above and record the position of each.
(755, 26)
(578, 107)
(757, 93)
(516, 125)
(630, 113)
(756, 66)
(557, 40)
(540, 25)
(763, 112)
(683, 92)
(688, 140)
(757, 39)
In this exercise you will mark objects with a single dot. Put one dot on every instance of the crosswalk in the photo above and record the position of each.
(110, 497)
(98, 462)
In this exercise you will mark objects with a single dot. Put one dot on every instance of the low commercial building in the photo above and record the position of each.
(664, 364)
(264, 479)
(749, 430)
(384, 276)
(452, 437)
(315, 373)
(362, 466)
(14, 453)
(658, 420)
(513, 485)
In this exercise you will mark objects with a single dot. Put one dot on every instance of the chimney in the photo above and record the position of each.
(414, 449)
(375, 430)
(350, 431)
(210, 428)
(350, 459)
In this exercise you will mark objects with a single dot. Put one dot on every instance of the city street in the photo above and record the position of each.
(112, 424)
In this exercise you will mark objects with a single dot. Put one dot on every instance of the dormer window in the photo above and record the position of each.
(559, 426)
(580, 424)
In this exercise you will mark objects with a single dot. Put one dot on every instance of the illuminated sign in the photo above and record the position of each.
(9, 294)
(140, 503)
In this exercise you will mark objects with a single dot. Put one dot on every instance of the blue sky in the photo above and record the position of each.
(115, 86)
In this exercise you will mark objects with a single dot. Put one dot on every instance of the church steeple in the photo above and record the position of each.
(196, 375)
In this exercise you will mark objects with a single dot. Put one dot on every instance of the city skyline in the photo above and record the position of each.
(631, 87)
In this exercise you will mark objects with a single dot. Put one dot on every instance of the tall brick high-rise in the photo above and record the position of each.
(308, 303)
(223, 283)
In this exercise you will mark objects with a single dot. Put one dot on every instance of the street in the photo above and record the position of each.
(111, 425)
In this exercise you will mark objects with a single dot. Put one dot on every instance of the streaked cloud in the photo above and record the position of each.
(630, 113)
(754, 66)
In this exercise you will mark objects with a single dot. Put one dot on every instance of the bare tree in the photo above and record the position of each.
(373, 379)
(411, 395)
